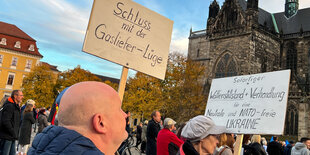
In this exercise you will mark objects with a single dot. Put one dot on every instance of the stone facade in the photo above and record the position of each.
(242, 39)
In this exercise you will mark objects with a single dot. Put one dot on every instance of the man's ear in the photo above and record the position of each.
(99, 124)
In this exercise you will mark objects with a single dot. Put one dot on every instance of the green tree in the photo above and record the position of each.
(39, 86)
(71, 77)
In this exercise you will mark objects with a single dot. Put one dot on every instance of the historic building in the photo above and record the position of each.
(18, 56)
(240, 39)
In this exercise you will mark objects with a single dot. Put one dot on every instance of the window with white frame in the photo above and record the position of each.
(10, 79)
(1, 58)
(3, 41)
(6, 95)
(31, 47)
(14, 61)
(17, 44)
(28, 64)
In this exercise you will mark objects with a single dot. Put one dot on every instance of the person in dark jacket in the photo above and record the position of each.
(153, 128)
(143, 136)
(274, 147)
(139, 134)
(288, 149)
(91, 122)
(42, 120)
(29, 101)
(25, 129)
(10, 123)
(257, 148)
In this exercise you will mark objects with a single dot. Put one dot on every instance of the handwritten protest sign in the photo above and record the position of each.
(129, 34)
(250, 104)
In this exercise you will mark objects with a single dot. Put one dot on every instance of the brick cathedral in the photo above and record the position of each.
(240, 39)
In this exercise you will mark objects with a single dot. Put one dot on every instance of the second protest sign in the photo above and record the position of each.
(250, 104)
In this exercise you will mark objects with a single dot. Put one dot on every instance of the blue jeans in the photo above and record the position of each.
(8, 147)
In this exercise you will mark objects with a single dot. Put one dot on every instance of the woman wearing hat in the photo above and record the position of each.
(202, 136)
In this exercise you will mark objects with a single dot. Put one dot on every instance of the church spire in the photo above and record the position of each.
(291, 7)
(214, 8)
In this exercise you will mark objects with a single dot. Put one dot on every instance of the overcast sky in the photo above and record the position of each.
(59, 26)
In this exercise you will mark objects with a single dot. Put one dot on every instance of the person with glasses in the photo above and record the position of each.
(202, 136)
(10, 123)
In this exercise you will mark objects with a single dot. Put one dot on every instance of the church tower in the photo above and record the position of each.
(214, 8)
(252, 12)
(291, 7)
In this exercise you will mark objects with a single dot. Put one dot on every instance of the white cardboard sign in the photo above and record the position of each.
(129, 34)
(250, 104)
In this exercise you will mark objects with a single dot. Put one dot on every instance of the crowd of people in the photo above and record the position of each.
(200, 136)
(91, 121)
(19, 122)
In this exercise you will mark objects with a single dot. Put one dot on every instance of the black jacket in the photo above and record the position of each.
(274, 148)
(258, 149)
(42, 121)
(288, 149)
(151, 137)
(10, 120)
(188, 149)
(25, 129)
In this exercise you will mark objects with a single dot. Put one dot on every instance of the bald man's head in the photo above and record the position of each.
(82, 100)
(94, 110)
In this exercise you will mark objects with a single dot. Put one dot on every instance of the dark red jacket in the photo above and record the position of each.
(167, 142)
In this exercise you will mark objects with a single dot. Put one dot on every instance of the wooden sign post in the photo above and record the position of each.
(238, 145)
(122, 83)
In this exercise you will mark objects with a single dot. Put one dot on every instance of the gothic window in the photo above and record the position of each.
(291, 57)
(3, 41)
(226, 67)
(264, 64)
(198, 53)
(17, 44)
(291, 122)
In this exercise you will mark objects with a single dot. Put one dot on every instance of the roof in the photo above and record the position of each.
(264, 17)
(12, 35)
(12, 30)
(294, 23)
(104, 78)
(53, 68)
(287, 25)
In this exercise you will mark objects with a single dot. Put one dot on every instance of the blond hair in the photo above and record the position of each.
(256, 138)
(30, 101)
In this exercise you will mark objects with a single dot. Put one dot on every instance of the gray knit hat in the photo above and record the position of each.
(200, 127)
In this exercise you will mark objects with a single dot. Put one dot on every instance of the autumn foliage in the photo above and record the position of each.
(180, 96)
(43, 86)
